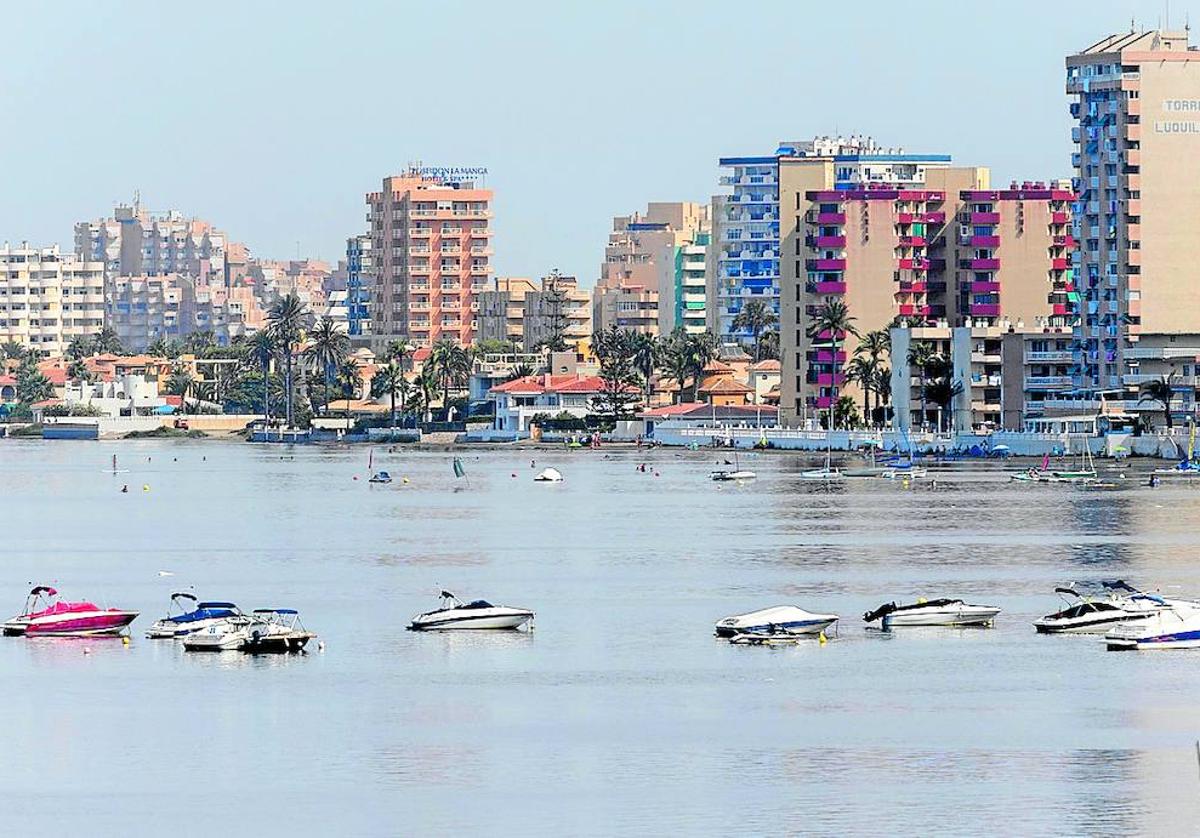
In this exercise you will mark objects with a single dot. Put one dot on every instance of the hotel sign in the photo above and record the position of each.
(1178, 106)
(449, 174)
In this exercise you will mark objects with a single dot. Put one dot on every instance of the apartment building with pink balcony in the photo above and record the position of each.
(1014, 257)
(431, 236)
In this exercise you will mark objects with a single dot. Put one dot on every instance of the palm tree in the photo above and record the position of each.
(874, 344)
(862, 370)
(328, 346)
(398, 351)
(519, 371)
(450, 364)
(263, 347)
(389, 380)
(883, 391)
(107, 342)
(288, 319)
(646, 354)
(349, 381)
(11, 351)
(180, 383)
(1160, 391)
(755, 317)
(920, 356)
(832, 317)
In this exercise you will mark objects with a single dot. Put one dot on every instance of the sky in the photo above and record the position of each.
(272, 119)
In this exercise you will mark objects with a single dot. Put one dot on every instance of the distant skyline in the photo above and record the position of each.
(273, 119)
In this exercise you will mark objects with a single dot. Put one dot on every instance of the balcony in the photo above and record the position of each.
(984, 309)
(831, 288)
(823, 402)
(912, 241)
(1064, 241)
(827, 379)
(985, 287)
(826, 264)
(416, 270)
(933, 217)
(917, 287)
(826, 356)
(823, 242)
(831, 218)
(1060, 218)
(419, 232)
(905, 217)
(982, 264)
(983, 241)
(1047, 382)
(985, 218)
(908, 310)
(1059, 264)
(916, 264)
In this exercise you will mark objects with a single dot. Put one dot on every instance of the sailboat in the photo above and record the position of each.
(738, 473)
(827, 472)
(1084, 472)
(1187, 467)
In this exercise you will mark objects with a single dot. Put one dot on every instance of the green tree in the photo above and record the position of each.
(614, 348)
(287, 320)
(11, 351)
(32, 385)
(389, 381)
(80, 347)
(832, 317)
(845, 414)
(450, 364)
(328, 347)
(181, 383)
(263, 347)
(684, 357)
(107, 342)
(647, 352)
(756, 317)
(200, 343)
(862, 369)
(77, 370)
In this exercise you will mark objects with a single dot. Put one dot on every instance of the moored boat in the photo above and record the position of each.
(45, 615)
(192, 616)
(777, 620)
(1175, 625)
(224, 635)
(476, 615)
(277, 630)
(1089, 615)
(932, 612)
(548, 475)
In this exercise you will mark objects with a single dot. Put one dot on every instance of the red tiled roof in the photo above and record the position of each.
(556, 384)
(46, 402)
(8, 379)
(703, 410)
(768, 365)
(715, 366)
(422, 353)
(725, 387)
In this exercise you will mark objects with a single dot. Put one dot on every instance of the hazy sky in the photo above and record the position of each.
(273, 119)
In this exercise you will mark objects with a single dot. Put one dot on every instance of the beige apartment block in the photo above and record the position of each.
(882, 249)
(431, 244)
(652, 267)
(47, 298)
(135, 241)
(143, 309)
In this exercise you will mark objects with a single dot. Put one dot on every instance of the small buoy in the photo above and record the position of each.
(321, 646)
(125, 640)
(514, 474)
(125, 489)
(404, 479)
(145, 487)
(86, 650)
(822, 639)
(356, 477)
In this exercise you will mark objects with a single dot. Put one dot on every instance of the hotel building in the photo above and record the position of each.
(47, 299)
(1136, 101)
(649, 261)
(430, 250)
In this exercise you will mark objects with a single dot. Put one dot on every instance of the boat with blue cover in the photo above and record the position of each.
(187, 615)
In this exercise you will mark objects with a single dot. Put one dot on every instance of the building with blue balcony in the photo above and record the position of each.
(359, 281)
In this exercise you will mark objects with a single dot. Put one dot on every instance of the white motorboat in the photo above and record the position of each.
(276, 630)
(1090, 615)
(778, 620)
(932, 612)
(914, 473)
(192, 616)
(1175, 625)
(225, 635)
(549, 475)
(478, 614)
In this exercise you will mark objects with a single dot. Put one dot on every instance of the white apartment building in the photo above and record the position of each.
(48, 298)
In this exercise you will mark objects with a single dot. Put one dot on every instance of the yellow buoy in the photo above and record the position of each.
(145, 487)
(405, 479)
(125, 640)
(822, 638)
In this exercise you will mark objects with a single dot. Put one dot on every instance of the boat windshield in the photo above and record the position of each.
(478, 603)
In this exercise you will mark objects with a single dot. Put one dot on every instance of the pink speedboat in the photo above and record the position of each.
(47, 616)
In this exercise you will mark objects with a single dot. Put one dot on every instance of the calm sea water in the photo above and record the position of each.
(620, 714)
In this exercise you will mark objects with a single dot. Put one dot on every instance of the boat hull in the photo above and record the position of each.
(80, 624)
(462, 619)
(945, 617)
(783, 619)
(171, 630)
